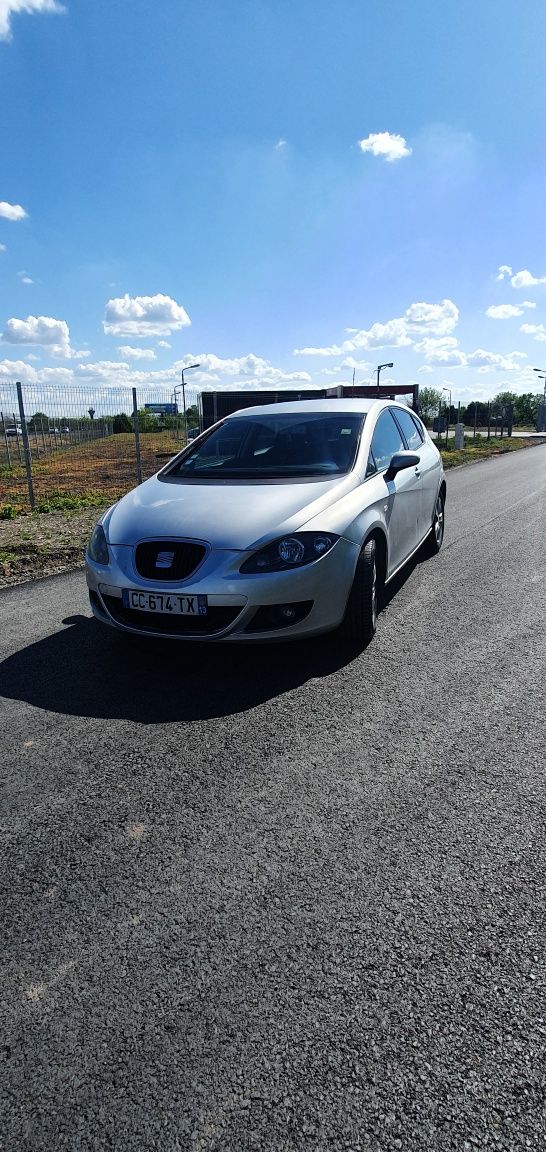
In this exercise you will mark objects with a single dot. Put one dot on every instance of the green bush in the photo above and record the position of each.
(8, 512)
(122, 423)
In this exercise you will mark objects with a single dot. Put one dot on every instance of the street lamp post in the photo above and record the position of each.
(449, 412)
(541, 376)
(174, 400)
(186, 369)
(379, 369)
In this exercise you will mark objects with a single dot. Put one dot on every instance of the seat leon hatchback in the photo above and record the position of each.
(279, 522)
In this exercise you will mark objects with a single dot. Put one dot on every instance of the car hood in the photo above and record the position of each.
(233, 515)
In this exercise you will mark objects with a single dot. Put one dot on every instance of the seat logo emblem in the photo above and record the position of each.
(164, 559)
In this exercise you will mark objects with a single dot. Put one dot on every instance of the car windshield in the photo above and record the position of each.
(275, 447)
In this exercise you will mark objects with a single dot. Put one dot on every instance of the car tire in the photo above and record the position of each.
(435, 537)
(360, 620)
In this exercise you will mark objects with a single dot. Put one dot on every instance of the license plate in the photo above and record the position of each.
(170, 603)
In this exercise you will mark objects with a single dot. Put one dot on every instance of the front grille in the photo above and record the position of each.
(216, 619)
(172, 560)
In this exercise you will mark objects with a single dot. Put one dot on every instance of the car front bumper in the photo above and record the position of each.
(242, 608)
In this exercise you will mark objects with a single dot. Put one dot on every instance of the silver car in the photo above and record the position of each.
(279, 522)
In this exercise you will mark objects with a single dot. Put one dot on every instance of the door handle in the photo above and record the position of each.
(418, 472)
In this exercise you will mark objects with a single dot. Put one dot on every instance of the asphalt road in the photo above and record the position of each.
(284, 899)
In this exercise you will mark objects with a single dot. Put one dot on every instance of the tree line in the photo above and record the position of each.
(525, 407)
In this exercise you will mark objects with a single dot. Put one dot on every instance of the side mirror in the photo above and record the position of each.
(400, 461)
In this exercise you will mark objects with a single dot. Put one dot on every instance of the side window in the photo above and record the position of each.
(409, 428)
(386, 440)
(372, 466)
(418, 425)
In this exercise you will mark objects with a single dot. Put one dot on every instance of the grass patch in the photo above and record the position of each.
(70, 502)
(480, 449)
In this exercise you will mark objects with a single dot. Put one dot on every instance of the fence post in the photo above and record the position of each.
(26, 445)
(137, 439)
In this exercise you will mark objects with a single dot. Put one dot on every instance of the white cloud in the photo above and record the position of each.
(163, 344)
(358, 365)
(103, 369)
(487, 360)
(3, 248)
(55, 376)
(525, 279)
(445, 352)
(330, 350)
(25, 278)
(536, 330)
(418, 318)
(21, 370)
(438, 318)
(280, 145)
(503, 311)
(393, 334)
(251, 366)
(43, 330)
(425, 368)
(528, 304)
(10, 211)
(144, 316)
(241, 372)
(390, 147)
(522, 279)
(130, 353)
(8, 8)
(442, 350)
(17, 370)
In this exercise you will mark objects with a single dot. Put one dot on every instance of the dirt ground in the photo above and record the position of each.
(41, 545)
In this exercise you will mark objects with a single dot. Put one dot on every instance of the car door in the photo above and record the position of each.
(415, 442)
(402, 496)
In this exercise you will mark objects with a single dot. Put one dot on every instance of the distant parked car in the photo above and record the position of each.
(64, 430)
(12, 431)
(284, 521)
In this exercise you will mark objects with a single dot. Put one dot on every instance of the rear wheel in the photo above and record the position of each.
(360, 620)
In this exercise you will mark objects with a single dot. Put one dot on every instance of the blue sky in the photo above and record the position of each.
(285, 191)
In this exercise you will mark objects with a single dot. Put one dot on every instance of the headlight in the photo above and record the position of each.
(97, 549)
(290, 552)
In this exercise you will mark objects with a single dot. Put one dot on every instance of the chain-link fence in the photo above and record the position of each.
(84, 444)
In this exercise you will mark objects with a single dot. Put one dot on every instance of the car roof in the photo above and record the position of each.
(344, 404)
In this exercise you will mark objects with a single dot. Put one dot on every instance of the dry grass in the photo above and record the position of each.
(105, 468)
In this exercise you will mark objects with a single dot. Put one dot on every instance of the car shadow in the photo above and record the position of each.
(87, 669)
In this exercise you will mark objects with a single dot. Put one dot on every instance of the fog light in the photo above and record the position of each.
(287, 612)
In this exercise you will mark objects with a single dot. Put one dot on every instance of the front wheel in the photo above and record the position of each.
(360, 620)
(436, 536)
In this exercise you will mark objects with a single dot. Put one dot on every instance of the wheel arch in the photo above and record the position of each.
(381, 552)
